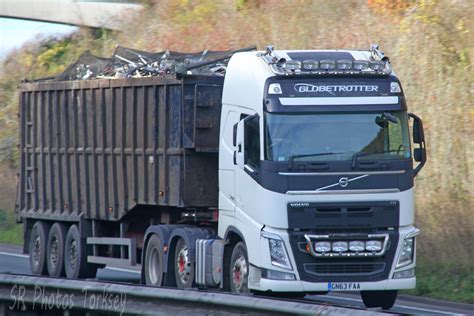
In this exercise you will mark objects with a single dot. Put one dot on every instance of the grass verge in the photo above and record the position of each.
(10, 231)
(448, 281)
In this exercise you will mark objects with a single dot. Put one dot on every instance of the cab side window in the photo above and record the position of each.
(252, 141)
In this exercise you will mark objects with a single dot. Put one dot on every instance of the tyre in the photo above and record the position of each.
(184, 268)
(383, 299)
(55, 250)
(75, 259)
(154, 265)
(37, 248)
(239, 269)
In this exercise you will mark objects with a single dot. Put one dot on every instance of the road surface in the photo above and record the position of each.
(13, 261)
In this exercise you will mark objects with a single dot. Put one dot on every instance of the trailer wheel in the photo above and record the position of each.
(75, 258)
(55, 250)
(383, 299)
(239, 269)
(37, 248)
(154, 262)
(184, 267)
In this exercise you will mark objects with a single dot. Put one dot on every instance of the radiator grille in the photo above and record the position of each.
(321, 269)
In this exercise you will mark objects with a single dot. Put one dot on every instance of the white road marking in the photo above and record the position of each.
(19, 255)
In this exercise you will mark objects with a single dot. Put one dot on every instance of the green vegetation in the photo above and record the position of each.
(430, 43)
(449, 281)
(10, 231)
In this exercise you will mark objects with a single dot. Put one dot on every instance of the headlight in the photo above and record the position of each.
(373, 245)
(408, 250)
(278, 253)
(356, 246)
(322, 246)
(340, 246)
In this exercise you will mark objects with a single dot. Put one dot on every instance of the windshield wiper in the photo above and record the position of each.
(361, 154)
(309, 155)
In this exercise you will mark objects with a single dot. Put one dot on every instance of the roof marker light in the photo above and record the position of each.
(309, 65)
(377, 65)
(344, 64)
(293, 65)
(361, 65)
(274, 88)
(327, 64)
(395, 87)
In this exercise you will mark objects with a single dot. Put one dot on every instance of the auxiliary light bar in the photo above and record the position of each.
(378, 64)
(294, 67)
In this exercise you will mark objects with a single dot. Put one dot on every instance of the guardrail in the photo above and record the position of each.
(43, 295)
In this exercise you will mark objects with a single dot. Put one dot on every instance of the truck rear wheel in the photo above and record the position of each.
(37, 248)
(75, 258)
(154, 265)
(239, 269)
(55, 250)
(383, 299)
(184, 268)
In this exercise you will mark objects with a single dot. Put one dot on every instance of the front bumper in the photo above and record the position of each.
(303, 282)
(302, 286)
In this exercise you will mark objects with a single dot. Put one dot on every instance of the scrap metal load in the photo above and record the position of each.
(132, 63)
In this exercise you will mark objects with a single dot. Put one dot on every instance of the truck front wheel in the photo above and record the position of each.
(154, 262)
(383, 299)
(239, 269)
(37, 248)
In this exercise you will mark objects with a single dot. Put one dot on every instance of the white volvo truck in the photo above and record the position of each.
(291, 174)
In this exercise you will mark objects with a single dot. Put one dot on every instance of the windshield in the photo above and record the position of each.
(326, 137)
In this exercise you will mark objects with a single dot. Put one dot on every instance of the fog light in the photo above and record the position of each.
(356, 246)
(404, 274)
(277, 275)
(373, 245)
(340, 246)
(322, 246)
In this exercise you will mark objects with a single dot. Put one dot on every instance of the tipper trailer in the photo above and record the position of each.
(291, 174)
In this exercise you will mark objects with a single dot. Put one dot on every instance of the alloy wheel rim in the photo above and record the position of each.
(183, 265)
(239, 272)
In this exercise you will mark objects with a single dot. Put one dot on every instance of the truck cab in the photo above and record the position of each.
(316, 173)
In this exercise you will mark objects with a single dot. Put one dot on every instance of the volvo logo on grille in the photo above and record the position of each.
(343, 182)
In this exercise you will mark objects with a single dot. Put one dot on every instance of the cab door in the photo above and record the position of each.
(247, 164)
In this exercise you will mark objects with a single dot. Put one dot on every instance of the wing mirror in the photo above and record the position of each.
(419, 153)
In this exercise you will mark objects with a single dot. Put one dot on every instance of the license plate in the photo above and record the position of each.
(343, 286)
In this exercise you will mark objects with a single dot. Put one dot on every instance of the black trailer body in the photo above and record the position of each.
(97, 149)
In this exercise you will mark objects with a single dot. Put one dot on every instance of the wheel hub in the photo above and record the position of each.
(73, 254)
(183, 265)
(239, 272)
(37, 248)
(54, 252)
